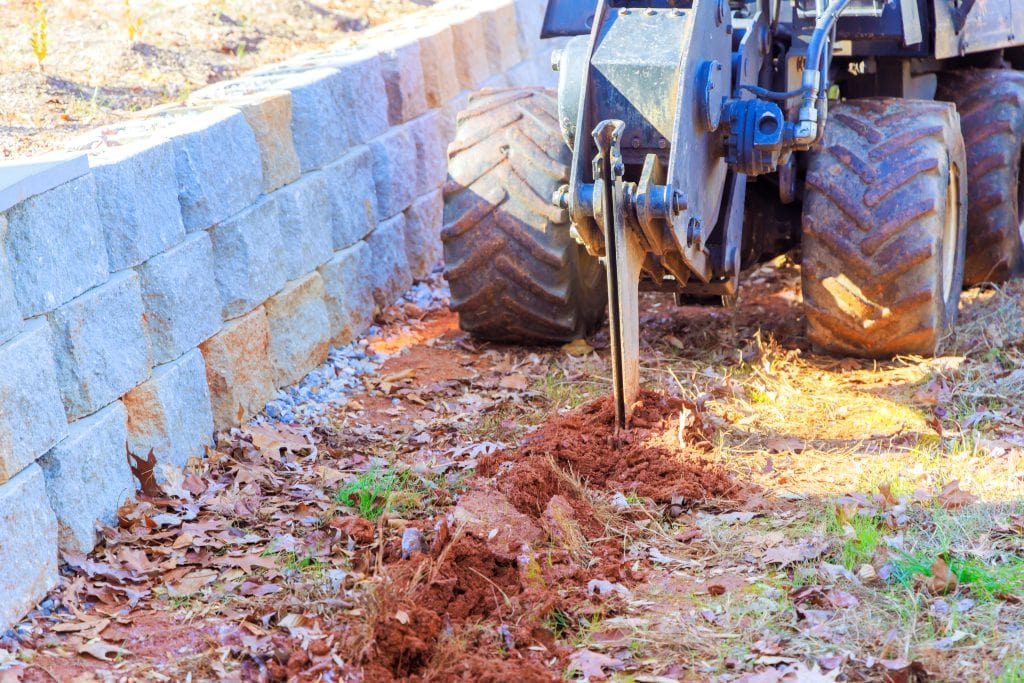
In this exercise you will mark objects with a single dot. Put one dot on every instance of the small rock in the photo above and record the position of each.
(599, 587)
(506, 638)
(412, 542)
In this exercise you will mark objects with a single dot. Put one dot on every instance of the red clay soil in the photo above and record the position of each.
(496, 602)
(641, 459)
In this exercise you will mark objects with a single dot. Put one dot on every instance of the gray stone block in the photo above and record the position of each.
(389, 275)
(248, 256)
(55, 246)
(304, 209)
(529, 73)
(299, 329)
(101, 345)
(171, 413)
(431, 152)
(364, 97)
(10, 314)
(347, 292)
(403, 78)
(31, 412)
(88, 477)
(218, 166)
(423, 222)
(500, 36)
(529, 20)
(28, 545)
(137, 199)
(319, 124)
(180, 295)
(394, 170)
(353, 191)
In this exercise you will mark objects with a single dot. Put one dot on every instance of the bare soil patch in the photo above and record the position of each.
(104, 61)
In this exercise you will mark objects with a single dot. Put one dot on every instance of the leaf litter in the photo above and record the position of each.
(668, 552)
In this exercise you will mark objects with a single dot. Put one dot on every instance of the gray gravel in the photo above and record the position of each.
(311, 401)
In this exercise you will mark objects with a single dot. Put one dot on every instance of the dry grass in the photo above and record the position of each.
(809, 428)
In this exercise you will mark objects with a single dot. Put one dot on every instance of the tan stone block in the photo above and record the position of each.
(472, 66)
(299, 329)
(238, 369)
(501, 37)
(270, 116)
(437, 53)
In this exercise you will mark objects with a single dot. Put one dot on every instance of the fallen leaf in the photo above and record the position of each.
(785, 444)
(191, 583)
(592, 665)
(783, 555)
(578, 347)
(952, 496)
(145, 472)
(516, 382)
(942, 580)
(270, 438)
(102, 650)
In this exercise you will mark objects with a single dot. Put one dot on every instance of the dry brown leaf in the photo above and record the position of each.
(516, 382)
(145, 472)
(952, 496)
(102, 650)
(578, 347)
(942, 580)
(788, 554)
(269, 438)
(785, 444)
(592, 665)
(192, 583)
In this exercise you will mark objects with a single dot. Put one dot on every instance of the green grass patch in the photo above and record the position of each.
(859, 548)
(379, 490)
(984, 579)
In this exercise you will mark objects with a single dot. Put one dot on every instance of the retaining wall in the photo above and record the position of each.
(210, 253)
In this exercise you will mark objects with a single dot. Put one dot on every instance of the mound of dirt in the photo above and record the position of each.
(657, 458)
(527, 543)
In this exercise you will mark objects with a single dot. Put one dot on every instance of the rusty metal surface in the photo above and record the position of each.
(986, 25)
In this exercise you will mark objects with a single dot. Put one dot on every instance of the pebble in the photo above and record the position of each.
(412, 542)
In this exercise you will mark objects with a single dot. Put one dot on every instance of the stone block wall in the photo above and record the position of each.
(211, 254)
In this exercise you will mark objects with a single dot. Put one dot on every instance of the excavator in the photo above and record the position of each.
(691, 139)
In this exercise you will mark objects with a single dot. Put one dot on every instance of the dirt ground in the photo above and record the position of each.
(770, 515)
(103, 61)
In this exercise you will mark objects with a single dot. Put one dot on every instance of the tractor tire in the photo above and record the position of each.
(991, 105)
(516, 273)
(884, 228)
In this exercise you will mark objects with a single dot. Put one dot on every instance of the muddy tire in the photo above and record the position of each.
(884, 228)
(516, 274)
(991, 104)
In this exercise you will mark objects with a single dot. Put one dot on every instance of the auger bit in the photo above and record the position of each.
(624, 256)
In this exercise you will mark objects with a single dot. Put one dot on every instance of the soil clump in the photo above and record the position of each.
(656, 458)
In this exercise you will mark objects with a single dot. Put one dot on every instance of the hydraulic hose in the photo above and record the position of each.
(812, 78)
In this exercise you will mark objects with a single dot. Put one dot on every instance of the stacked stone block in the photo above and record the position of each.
(212, 254)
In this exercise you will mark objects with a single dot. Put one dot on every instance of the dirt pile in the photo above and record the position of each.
(525, 541)
(657, 458)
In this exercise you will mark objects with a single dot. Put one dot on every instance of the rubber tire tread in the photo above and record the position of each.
(991, 106)
(516, 274)
(873, 223)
